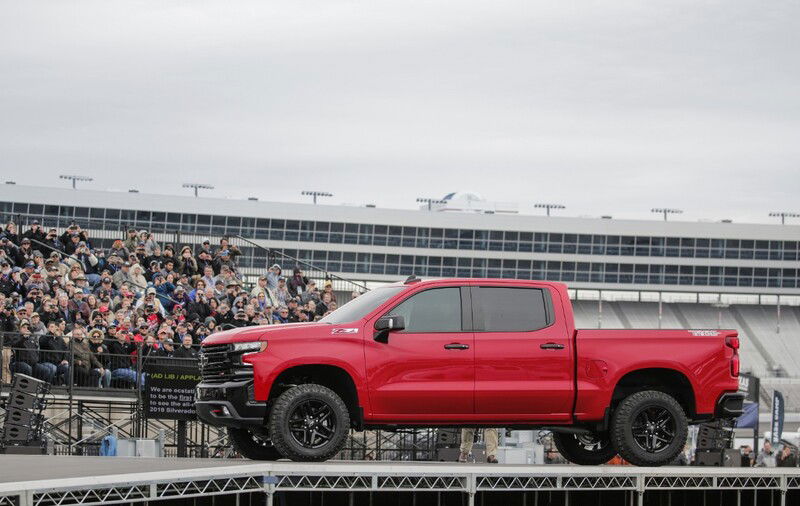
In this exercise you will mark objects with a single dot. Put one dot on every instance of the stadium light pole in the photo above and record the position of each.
(783, 215)
(430, 202)
(665, 211)
(75, 178)
(198, 186)
(548, 207)
(315, 194)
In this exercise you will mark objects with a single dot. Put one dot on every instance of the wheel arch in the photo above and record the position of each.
(663, 379)
(334, 377)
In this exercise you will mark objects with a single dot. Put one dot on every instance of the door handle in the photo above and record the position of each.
(551, 346)
(456, 346)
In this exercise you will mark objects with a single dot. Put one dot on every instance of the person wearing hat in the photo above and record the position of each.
(131, 241)
(88, 370)
(26, 353)
(84, 257)
(35, 235)
(55, 352)
(328, 288)
(297, 284)
(186, 263)
(106, 286)
(282, 295)
(150, 304)
(240, 319)
(101, 353)
(166, 347)
(24, 253)
(123, 275)
(37, 327)
(262, 287)
(273, 274)
(311, 293)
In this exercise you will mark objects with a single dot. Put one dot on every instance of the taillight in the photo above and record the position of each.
(733, 343)
(735, 365)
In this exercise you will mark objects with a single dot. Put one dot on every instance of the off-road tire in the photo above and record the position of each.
(622, 430)
(285, 406)
(570, 447)
(252, 446)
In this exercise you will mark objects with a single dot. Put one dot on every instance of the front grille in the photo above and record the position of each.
(215, 362)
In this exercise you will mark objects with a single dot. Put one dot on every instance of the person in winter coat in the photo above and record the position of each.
(273, 275)
(35, 233)
(26, 353)
(88, 370)
(55, 353)
(186, 350)
(297, 284)
(119, 249)
(186, 263)
(101, 353)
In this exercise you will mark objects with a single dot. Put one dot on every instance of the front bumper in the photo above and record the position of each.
(729, 405)
(229, 404)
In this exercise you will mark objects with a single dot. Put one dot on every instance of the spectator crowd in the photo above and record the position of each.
(69, 309)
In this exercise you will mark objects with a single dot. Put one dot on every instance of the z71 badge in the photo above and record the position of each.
(344, 331)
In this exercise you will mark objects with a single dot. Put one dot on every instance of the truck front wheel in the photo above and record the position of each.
(253, 445)
(649, 428)
(584, 449)
(309, 423)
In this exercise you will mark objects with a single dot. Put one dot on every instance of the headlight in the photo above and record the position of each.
(249, 347)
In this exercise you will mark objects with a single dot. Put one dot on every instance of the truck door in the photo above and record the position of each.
(426, 370)
(523, 354)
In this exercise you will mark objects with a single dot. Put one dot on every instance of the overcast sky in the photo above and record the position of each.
(605, 107)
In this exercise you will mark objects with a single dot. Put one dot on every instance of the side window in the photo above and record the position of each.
(436, 310)
(511, 309)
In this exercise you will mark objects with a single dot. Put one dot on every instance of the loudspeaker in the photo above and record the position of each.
(17, 433)
(29, 385)
(18, 416)
(25, 401)
(448, 438)
(707, 443)
(717, 458)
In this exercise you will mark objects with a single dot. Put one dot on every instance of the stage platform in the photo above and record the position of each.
(51, 480)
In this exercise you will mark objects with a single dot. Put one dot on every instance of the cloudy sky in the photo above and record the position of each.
(605, 107)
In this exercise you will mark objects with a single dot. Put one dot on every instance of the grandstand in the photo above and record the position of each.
(623, 273)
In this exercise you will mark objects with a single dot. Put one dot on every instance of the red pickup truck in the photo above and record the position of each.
(470, 353)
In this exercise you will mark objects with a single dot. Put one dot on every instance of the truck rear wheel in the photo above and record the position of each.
(309, 423)
(649, 428)
(584, 449)
(253, 445)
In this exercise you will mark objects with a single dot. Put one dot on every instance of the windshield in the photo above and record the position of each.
(361, 306)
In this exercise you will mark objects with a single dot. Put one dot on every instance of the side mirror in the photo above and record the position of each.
(386, 324)
(390, 322)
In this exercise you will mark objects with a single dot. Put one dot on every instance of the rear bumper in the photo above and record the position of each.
(229, 404)
(729, 405)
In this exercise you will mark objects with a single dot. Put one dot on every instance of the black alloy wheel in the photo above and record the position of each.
(649, 428)
(309, 423)
(312, 424)
(653, 429)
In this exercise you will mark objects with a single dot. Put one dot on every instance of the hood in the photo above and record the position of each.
(263, 332)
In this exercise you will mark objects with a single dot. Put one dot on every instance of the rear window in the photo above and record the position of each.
(512, 309)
